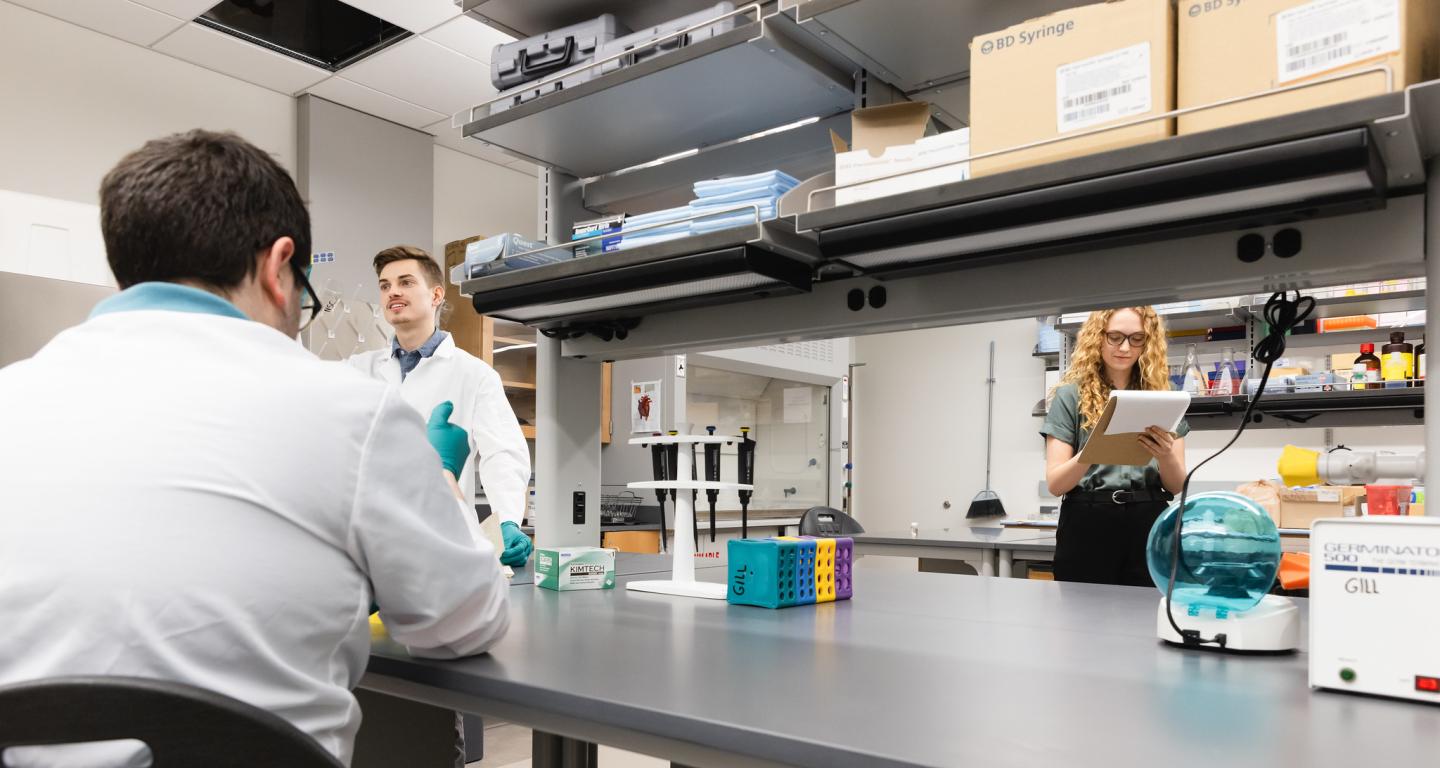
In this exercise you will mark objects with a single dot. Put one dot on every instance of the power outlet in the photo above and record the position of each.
(577, 508)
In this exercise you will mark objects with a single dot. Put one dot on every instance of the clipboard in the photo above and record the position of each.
(1123, 448)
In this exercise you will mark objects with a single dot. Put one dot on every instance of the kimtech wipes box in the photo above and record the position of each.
(569, 568)
(1069, 72)
(1233, 48)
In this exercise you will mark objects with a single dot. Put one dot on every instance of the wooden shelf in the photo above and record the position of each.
(526, 386)
(505, 341)
(528, 430)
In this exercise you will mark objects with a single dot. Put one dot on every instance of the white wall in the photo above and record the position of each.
(75, 101)
(919, 420)
(919, 423)
(473, 197)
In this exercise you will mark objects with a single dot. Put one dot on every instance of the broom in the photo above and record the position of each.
(987, 503)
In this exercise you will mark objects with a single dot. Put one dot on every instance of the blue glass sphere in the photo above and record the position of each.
(1229, 551)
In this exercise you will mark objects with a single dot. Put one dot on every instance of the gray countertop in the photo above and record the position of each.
(918, 669)
(969, 537)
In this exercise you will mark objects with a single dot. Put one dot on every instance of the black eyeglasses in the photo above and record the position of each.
(303, 276)
(1116, 338)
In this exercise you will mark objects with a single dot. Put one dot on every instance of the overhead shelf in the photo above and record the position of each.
(752, 78)
(801, 151)
(924, 50)
(1329, 161)
(1370, 407)
(1185, 193)
(606, 290)
(1365, 304)
(1214, 317)
(524, 18)
(1377, 336)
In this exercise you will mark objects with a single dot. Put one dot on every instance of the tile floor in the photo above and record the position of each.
(508, 746)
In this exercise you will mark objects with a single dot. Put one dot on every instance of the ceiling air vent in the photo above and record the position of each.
(326, 33)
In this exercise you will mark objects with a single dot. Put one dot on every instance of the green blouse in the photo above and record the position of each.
(1062, 422)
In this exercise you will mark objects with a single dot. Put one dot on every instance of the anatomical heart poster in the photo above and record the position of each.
(645, 407)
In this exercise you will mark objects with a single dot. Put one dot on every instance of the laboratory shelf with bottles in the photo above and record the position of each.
(1313, 385)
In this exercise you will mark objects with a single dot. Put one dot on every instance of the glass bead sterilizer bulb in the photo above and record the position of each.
(1230, 552)
(1229, 556)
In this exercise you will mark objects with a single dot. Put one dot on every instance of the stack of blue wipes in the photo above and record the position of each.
(756, 193)
(718, 204)
(631, 238)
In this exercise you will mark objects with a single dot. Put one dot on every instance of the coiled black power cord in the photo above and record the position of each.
(1282, 315)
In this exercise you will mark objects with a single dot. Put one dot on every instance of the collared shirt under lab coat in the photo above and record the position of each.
(497, 446)
(195, 497)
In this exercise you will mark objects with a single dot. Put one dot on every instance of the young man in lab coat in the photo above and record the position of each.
(429, 369)
(191, 495)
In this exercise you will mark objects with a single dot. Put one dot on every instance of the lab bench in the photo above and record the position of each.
(998, 672)
(1291, 539)
(989, 550)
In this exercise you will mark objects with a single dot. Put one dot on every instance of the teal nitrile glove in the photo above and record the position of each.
(450, 441)
(517, 545)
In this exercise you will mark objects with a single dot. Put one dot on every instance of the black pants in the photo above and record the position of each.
(1103, 542)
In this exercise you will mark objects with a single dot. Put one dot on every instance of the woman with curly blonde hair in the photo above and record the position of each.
(1108, 509)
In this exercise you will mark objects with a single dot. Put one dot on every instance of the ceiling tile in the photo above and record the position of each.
(425, 73)
(237, 58)
(184, 9)
(373, 102)
(470, 37)
(414, 15)
(117, 18)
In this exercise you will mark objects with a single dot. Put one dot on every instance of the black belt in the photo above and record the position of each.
(1119, 497)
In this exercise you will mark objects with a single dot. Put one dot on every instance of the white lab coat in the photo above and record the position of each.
(197, 498)
(497, 446)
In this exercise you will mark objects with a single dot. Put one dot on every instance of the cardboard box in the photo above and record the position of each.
(571, 568)
(464, 324)
(889, 140)
(1230, 49)
(1299, 507)
(1071, 72)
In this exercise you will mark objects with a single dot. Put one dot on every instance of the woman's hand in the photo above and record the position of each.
(1169, 451)
(1158, 442)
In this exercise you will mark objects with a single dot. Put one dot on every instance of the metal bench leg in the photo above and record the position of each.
(550, 751)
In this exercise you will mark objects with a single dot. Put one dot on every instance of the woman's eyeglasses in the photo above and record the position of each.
(1116, 339)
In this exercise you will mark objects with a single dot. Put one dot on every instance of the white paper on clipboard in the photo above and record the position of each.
(1137, 411)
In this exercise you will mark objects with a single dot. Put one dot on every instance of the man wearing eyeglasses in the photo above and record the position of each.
(240, 502)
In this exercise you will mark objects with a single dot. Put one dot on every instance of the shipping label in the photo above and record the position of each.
(1327, 34)
(1103, 88)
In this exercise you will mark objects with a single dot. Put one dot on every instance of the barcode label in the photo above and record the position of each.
(1329, 34)
(1320, 60)
(1104, 88)
(1086, 114)
(1098, 96)
(1304, 49)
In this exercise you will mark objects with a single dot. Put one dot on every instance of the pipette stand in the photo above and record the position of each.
(682, 577)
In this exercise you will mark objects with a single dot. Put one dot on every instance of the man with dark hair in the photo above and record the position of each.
(430, 370)
(240, 502)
